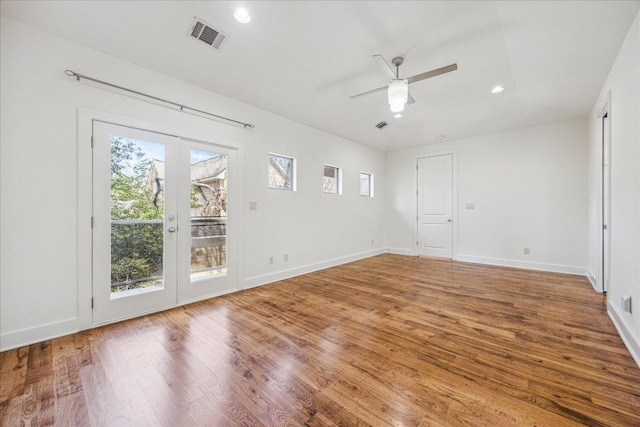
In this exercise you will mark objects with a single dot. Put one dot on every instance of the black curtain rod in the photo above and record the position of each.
(78, 76)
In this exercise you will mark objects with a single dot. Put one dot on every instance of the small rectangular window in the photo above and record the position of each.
(282, 172)
(331, 181)
(366, 184)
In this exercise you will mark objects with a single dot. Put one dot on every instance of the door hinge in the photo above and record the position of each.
(605, 227)
(91, 222)
(91, 302)
(91, 141)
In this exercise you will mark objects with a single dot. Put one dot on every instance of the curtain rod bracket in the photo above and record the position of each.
(78, 76)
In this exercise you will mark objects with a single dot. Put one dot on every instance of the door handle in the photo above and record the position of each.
(449, 220)
(172, 229)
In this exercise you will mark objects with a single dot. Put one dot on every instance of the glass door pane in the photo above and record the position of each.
(208, 182)
(137, 216)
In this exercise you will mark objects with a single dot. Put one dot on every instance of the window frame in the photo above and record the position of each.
(294, 177)
(371, 185)
(338, 179)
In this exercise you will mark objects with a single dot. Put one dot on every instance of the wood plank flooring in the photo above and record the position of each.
(390, 340)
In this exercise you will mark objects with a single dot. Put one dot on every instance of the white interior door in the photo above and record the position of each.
(435, 206)
(134, 222)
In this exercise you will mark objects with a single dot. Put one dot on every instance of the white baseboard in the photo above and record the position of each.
(38, 334)
(592, 280)
(630, 341)
(252, 282)
(398, 251)
(567, 269)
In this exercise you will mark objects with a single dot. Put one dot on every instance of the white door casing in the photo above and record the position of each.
(435, 206)
(606, 200)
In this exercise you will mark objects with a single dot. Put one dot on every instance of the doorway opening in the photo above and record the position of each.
(604, 248)
(160, 221)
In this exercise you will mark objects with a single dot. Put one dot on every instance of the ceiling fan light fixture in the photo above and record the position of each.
(398, 93)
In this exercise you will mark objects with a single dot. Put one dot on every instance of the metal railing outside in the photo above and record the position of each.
(205, 232)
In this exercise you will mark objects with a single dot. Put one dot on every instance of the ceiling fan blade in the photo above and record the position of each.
(410, 99)
(432, 73)
(386, 65)
(368, 92)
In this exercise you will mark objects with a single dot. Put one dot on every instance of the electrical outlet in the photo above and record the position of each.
(286, 257)
(373, 242)
(470, 206)
(526, 251)
(270, 260)
(626, 303)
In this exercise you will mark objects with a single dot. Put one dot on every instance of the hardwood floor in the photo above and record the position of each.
(389, 340)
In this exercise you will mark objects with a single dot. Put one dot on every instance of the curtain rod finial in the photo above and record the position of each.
(72, 73)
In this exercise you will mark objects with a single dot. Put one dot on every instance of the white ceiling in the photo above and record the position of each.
(304, 59)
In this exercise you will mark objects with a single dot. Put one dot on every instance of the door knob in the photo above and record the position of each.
(172, 229)
(448, 220)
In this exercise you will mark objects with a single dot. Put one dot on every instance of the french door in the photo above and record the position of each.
(160, 213)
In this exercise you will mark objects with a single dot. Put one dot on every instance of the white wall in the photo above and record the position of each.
(41, 280)
(623, 84)
(529, 190)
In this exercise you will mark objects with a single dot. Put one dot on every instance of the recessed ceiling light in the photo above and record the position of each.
(242, 15)
(441, 137)
(397, 116)
(497, 89)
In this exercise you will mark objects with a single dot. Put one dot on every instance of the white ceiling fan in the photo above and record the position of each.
(398, 89)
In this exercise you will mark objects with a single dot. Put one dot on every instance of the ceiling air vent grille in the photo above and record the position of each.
(206, 33)
(382, 125)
